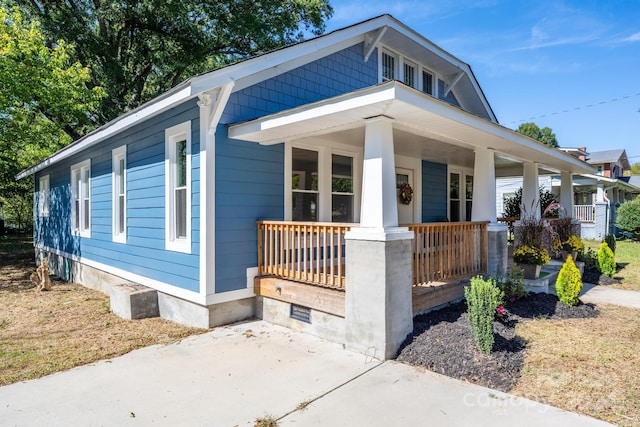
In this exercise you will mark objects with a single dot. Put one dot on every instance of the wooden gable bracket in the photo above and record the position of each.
(452, 83)
(369, 47)
(219, 100)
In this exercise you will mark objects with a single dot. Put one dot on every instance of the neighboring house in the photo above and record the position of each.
(596, 197)
(296, 166)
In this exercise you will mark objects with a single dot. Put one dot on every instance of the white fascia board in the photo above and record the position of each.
(123, 122)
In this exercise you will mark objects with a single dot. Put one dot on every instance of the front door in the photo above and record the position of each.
(405, 210)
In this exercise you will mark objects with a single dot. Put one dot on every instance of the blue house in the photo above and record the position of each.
(319, 186)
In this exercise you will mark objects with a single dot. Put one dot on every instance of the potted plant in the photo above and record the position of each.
(531, 259)
(572, 245)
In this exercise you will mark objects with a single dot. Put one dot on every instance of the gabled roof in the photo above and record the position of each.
(382, 29)
(609, 156)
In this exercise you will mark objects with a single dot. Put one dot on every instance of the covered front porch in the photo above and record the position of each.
(356, 238)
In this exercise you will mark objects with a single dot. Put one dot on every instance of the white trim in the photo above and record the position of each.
(136, 278)
(118, 154)
(83, 169)
(172, 136)
(452, 83)
(44, 196)
(370, 47)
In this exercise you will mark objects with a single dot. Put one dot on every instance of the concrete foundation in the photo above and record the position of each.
(497, 249)
(323, 325)
(378, 304)
(133, 301)
(201, 316)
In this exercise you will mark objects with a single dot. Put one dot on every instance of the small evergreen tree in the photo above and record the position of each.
(483, 298)
(606, 261)
(628, 217)
(611, 241)
(569, 283)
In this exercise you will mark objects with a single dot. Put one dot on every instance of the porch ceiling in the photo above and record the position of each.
(423, 126)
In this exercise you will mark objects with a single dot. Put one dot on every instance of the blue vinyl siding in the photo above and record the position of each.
(249, 176)
(434, 191)
(144, 253)
(450, 98)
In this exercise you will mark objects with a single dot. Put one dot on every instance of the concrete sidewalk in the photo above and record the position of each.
(598, 294)
(233, 375)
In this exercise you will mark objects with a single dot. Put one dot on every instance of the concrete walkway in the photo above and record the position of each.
(607, 295)
(233, 375)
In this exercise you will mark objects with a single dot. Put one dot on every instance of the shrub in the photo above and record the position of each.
(569, 283)
(525, 254)
(513, 204)
(610, 239)
(606, 261)
(588, 257)
(572, 244)
(512, 284)
(483, 298)
(628, 217)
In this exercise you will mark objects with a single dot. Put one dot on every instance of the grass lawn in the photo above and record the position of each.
(46, 332)
(628, 260)
(589, 366)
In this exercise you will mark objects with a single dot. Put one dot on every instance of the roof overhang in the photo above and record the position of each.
(411, 111)
(591, 179)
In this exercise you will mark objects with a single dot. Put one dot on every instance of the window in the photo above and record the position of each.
(119, 199)
(454, 197)
(388, 67)
(341, 188)
(304, 184)
(43, 196)
(468, 195)
(427, 82)
(81, 198)
(178, 187)
(409, 74)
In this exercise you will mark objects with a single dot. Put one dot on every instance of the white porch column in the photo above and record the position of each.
(484, 186)
(379, 207)
(378, 300)
(600, 193)
(566, 194)
(530, 190)
(484, 209)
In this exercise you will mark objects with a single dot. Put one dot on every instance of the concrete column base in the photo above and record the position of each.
(378, 301)
(498, 249)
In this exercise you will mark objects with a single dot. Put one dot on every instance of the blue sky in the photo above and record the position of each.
(533, 59)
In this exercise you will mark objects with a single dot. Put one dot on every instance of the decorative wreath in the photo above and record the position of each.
(406, 194)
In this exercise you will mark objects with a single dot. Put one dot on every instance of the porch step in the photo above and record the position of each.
(547, 284)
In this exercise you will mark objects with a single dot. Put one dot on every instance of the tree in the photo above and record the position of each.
(512, 205)
(544, 135)
(139, 49)
(628, 217)
(635, 169)
(44, 104)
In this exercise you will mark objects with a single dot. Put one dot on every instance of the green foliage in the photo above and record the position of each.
(544, 135)
(610, 240)
(635, 168)
(536, 255)
(512, 284)
(569, 283)
(483, 298)
(44, 103)
(573, 244)
(139, 49)
(628, 217)
(588, 257)
(513, 205)
(606, 261)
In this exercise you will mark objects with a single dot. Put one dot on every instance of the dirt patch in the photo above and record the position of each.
(592, 275)
(442, 341)
(46, 332)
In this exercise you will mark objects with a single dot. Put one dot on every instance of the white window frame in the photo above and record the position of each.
(399, 61)
(416, 69)
(44, 197)
(396, 61)
(118, 154)
(462, 200)
(424, 71)
(354, 187)
(81, 186)
(172, 136)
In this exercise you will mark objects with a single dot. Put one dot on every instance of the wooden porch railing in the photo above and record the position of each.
(442, 251)
(314, 252)
(310, 252)
(584, 213)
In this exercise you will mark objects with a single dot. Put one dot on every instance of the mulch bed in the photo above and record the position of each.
(442, 341)
(592, 275)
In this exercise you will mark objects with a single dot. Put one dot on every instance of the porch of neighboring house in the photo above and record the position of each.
(304, 263)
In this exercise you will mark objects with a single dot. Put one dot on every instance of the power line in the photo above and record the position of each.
(569, 110)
